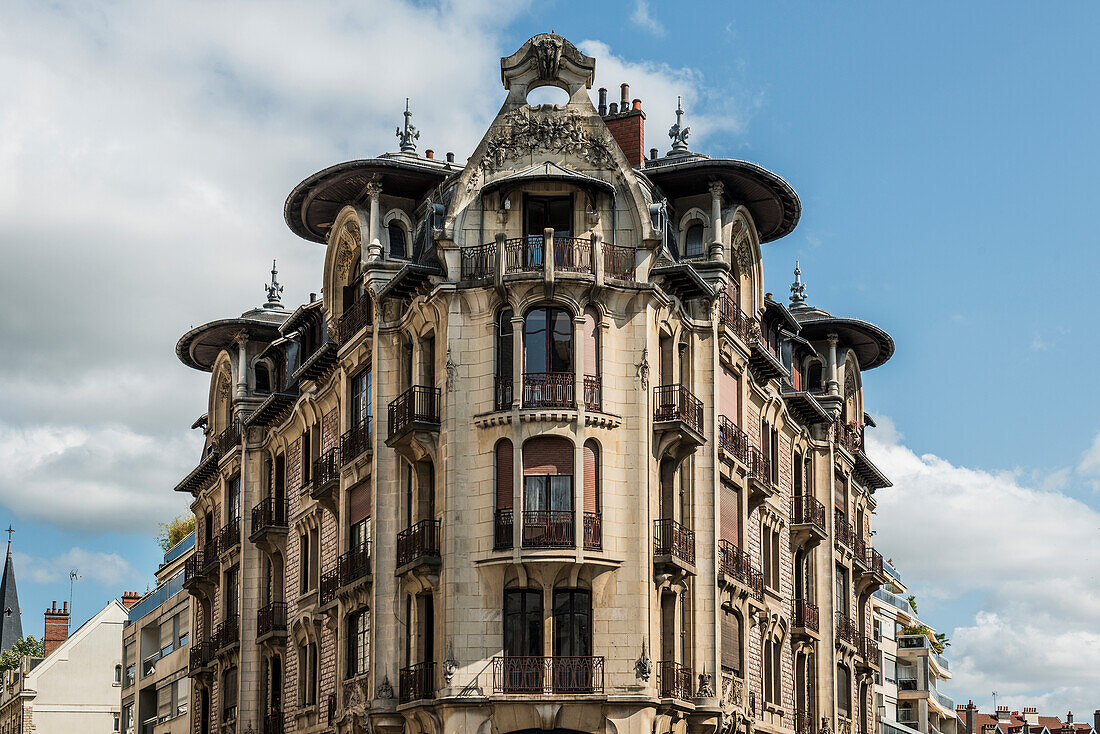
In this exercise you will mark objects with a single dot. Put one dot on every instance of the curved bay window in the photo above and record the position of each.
(502, 388)
(548, 358)
(548, 493)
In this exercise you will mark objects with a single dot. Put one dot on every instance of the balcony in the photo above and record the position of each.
(803, 723)
(351, 568)
(593, 393)
(733, 441)
(227, 440)
(476, 263)
(593, 530)
(271, 621)
(503, 394)
(325, 479)
(416, 682)
(677, 422)
(230, 536)
(418, 544)
(356, 316)
(200, 657)
(273, 723)
(227, 634)
(355, 442)
(846, 631)
(548, 390)
(523, 254)
(502, 529)
(731, 317)
(193, 573)
(573, 255)
(804, 619)
(869, 653)
(764, 358)
(843, 533)
(674, 680)
(318, 365)
(269, 516)
(808, 519)
(874, 574)
(548, 529)
(547, 675)
(760, 482)
(673, 545)
(416, 409)
(329, 584)
(735, 566)
(210, 554)
(619, 263)
(848, 436)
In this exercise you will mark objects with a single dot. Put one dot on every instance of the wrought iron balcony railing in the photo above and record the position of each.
(476, 262)
(760, 466)
(737, 564)
(548, 529)
(733, 318)
(676, 403)
(670, 538)
(230, 535)
(533, 675)
(804, 614)
(416, 682)
(419, 541)
(326, 471)
(503, 393)
(418, 404)
(573, 254)
(733, 440)
(842, 530)
(674, 680)
(200, 655)
(548, 390)
(593, 392)
(270, 513)
(271, 618)
(619, 262)
(846, 630)
(593, 530)
(806, 510)
(355, 441)
(523, 254)
(227, 633)
(355, 318)
(502, 529)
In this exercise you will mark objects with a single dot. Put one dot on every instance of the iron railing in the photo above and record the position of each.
(806, 510)
(477, 262)
(192, 567)
(271, 618)
(732, 439)
(523, 254)
(846, 630)
(736, 563)
(416, 682)
(356, 316)
(842, 529)
(355, 564)
(227, 633)
(573, 254)
(548, 529)
(355, 441)
(326, 470)
(269, 513)
(329, 584)
(503, 395)
(418, 404)
(760, 466)
(502, 529)
(733, 318)
(227, 440)
(230, 535)
(210, 553)
(419, 541)
(868, 648)
(548, 390)
(534, 675)
(804, 614)
(848, 436)
(874, 561)
(593, 531)
(619, 262)
(676, 403)
(273, 722)
(593, 393)
(670, 538)
(674, 680)
(200, 655)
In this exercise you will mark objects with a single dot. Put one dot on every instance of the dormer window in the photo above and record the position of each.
(693, 241)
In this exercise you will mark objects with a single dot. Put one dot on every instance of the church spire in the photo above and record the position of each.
(11, 625)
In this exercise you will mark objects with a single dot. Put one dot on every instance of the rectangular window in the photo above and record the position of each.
(555, 213)
(358, 642)
(572, 623)
(552, 492)
(841, 590)
(523, 623)
(361, 408)
(303, 563)
(731, 642)
(233, 501)
(231, 592)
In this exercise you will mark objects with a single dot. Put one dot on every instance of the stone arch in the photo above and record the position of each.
(691, 217)
(343, 257)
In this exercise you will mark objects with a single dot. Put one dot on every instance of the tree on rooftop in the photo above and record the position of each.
(174, 531)
(9, 659)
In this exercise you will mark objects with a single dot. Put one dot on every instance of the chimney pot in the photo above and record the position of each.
(603, 102)
(652, 154)
(614, 109)
(429, 153)
(450, 157)
(312, 297)
(769, 296)
(624, 99)
(636, 105)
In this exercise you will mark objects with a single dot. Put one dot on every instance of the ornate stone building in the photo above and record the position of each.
(543, 455)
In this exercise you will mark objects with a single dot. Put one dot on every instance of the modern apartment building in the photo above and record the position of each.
(156, 640)
(908, 696)
(543, 456)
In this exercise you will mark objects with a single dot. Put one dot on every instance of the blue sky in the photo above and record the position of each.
(944, 154)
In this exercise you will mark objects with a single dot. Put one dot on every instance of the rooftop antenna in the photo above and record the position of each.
(73, 577)
(679, 132)
(410, 134)
(994, 701)
(798, 288)
(274, 290)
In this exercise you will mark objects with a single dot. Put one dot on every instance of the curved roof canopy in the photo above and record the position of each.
(312, 206)
(199, 347)
(872, 345)
(774, 204)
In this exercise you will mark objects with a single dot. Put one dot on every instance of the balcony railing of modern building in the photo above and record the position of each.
(356, 441)
(351, 567)
(736, 564)
(528, 255)
(416, 682)
(921, 642)
(675, 403)
(804, 614)
(674, 680)
(415, 409)
(673, 540)
(271, 620)
(532, 675)
(893, 600)
(419, 543)
(356, 316)
(547, 529)
(269, 514)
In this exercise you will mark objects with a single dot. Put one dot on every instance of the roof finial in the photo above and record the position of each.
(679, 132)
(410, 134)
(9, 531)
(273, 290)
(798, 288)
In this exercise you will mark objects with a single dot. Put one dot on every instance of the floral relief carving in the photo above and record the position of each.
(347, 253)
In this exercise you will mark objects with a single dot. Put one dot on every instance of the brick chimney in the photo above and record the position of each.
(130, 598)
(626, 122)
(1031, 715)
(970, 716)
(1003, 714)
(1096, 721)
(57, 627)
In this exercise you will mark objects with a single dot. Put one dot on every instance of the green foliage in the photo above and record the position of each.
(942, 641)
(174, 531)
(9, 659)
(936, 640)
(912, 603)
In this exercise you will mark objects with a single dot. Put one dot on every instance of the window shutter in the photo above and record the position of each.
(840, 494)
(359, 502)
(731, 641)
(547, 455)
(504, 468)
(728, 394)
(591, 477)
(730, 514)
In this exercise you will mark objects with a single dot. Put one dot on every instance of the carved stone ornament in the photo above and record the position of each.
(525, 130)
(643, 369)
(825, 726)
(548, 50)
(452, 371)
(642, 666)
(849, 384)
(706, 687)
(741, 250)
(385, 690)
(347, 249)
(450, 665)
(223, 387)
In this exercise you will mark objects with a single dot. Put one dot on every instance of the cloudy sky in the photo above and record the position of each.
(945, 156)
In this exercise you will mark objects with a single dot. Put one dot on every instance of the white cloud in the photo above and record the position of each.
(109, 569)
(1028, 555)
(1089, 465)
(643, 18)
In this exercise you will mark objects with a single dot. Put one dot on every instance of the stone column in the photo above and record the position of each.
(241, 341)
(548, 255)
(716, 247)
(597, 258)
(578, 453)
(374, 191)
(833, 384)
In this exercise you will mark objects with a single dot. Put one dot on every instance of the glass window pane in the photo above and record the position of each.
(534, 491)
(561, 492)
(534, 341)
(562, 348)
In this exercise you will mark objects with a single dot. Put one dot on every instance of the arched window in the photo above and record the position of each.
(263, 378)
(593, 530)
(593, 393)
(504, 488)
(813, 377)
(548, 358)
(548, 493)
(504, 362)
(398, 241)
(693, 241)
(773, 671)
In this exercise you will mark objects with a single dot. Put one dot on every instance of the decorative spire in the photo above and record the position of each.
(798, 288)
(410, 134)
(679, 132)
(274, 290)
(11, 625)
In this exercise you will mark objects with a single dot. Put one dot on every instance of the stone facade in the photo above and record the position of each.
(543, 456)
